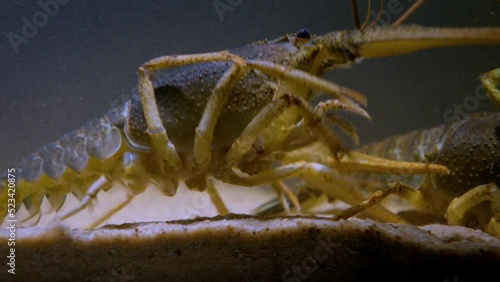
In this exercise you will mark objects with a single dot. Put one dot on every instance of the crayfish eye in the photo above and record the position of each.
(303, 34)
(301, 37)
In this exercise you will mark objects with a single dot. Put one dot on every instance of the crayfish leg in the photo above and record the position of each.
(111, 212)
(373, 199)
(487, 192)
(157, 133)
(215, 197)
(489, 81)
(100, 184)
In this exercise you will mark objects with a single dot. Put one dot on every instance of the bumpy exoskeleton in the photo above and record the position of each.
(224, 116)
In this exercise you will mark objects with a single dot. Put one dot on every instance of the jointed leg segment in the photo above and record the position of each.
(270, 113)
(111, 212)
(215, 197)
(328, 181)
(489, 81)
(213, 109)
(91, 194)
(459, 206)
(372, 200)
(158, 135)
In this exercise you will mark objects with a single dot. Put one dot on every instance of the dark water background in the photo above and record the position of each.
(84, 59)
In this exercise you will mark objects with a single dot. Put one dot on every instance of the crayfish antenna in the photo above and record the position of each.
(345, 47)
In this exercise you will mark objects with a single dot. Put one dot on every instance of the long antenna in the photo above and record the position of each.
(367, 18)
(355, 14)
(379, 14)
(408, 13)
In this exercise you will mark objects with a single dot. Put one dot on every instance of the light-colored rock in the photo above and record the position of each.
(243, 248)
